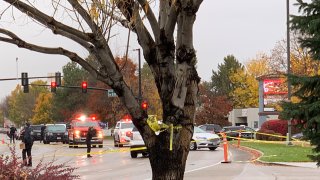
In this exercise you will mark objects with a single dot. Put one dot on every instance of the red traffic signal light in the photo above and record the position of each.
(144, 105)
(84, 86)
(53, 86)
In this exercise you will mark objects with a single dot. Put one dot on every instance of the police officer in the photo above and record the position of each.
(43, 127)
(28, 141)
(91, 133)
(12, 134)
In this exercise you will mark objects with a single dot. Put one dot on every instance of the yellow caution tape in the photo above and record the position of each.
(171, 136)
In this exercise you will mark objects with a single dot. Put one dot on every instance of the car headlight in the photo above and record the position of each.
(100, 134)
(77, 133)
(50, 134)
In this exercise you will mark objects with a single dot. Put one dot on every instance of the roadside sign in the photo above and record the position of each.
(111, 93)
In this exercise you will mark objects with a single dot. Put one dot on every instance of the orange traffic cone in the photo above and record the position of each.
(225, 149)
(239, 138)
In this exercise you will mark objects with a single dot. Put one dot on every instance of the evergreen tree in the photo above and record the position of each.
(306, 112)
(221, 83)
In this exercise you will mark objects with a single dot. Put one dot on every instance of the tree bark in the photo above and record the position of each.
(172, 64)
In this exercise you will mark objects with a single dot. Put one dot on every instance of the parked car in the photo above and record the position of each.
(55, 133)
(36, 132)
(137, 145)
(122, 132)
(4, 130)
(211, 128)
(298, 136)
(233, 132)
(203, 139)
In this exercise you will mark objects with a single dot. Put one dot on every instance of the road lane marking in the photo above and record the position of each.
(204, 167)
(105, 170)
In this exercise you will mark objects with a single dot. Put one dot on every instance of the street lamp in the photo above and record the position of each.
(139, 69)
(288, 71)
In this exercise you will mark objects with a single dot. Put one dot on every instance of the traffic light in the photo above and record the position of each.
(25, 82)
(58, 79)
(144, 105)
(53, 87)
(84, 86)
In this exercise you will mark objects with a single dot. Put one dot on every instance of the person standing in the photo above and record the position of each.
(28, 141)
(43, 127)
(13, 131)
(91, 133)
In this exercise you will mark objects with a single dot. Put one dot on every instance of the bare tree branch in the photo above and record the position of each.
(46, 20)
(75, 4)
(171, 22)
(152, 19)
(14, 39)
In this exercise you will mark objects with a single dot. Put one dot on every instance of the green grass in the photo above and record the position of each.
(275, 152)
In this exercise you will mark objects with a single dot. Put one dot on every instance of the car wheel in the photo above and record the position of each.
(145, 154)
(70, 145)
(212, 148)
(115, 142)
(133, 154)
(100, 146)
(94, 146)
(119, 143)
(193, 145)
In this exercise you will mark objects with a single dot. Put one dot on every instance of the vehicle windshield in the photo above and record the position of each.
(56, 128)
(87, 124)
(126, 125)
(198, 130)
(36, 128)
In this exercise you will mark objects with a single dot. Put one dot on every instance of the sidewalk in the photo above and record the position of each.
(299, 164)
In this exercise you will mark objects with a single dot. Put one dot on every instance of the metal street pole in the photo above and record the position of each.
(288, 70)
(17, 68)
(139, 69)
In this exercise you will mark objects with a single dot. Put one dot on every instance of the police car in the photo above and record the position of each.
(122, 132)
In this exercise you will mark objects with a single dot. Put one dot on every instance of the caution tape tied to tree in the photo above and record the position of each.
(158, 127)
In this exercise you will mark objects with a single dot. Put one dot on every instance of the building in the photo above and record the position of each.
(248, 117)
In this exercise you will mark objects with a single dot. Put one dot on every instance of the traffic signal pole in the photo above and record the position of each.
(139, 68)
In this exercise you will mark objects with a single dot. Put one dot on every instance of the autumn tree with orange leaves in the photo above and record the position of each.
(213, 108)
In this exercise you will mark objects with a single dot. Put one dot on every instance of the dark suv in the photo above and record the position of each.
(211, 128)
(232, 132)
(36, 132)
(55, 133)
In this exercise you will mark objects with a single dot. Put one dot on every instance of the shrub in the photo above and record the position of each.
(263, 136)
(12, 168)
(280, 126)
(266, 135)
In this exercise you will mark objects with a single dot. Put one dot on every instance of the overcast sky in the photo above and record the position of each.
(243, 28)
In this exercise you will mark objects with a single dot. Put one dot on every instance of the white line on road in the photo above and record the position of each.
(105, 170)
(204, 167)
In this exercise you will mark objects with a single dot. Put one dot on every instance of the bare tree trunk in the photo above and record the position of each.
(170, 164)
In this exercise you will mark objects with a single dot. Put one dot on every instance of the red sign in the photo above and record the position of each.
(274, 86)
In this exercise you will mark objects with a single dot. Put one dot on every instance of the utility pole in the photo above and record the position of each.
(139, 69)
(17, 68)
(288, 70)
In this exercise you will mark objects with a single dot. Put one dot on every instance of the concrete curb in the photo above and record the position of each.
(256, 155)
